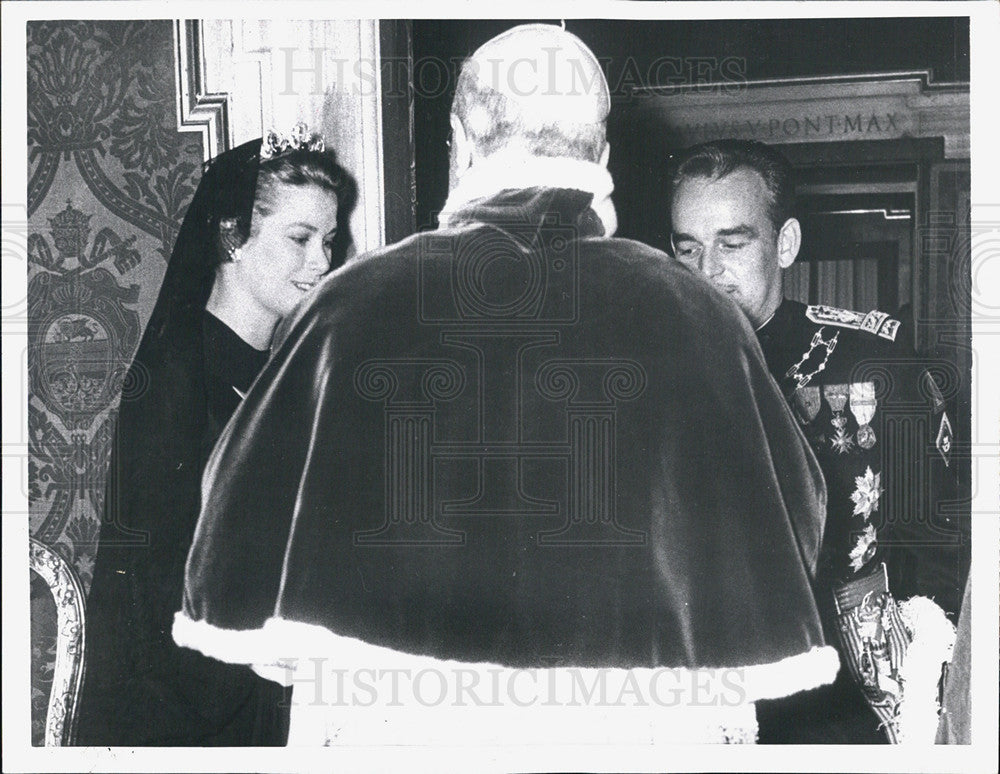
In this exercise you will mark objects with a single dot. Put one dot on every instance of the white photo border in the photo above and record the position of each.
(981, 756)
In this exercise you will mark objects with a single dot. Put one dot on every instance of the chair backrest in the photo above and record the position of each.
(67, 673)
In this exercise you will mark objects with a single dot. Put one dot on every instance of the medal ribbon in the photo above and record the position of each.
(836, 396)
(863, 402)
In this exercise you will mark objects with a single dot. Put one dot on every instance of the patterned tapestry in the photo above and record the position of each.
(109, 179)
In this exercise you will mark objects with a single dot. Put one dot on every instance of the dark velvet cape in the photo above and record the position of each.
(140, 688)
(514, 441)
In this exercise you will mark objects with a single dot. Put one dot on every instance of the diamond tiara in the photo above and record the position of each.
(300, 138)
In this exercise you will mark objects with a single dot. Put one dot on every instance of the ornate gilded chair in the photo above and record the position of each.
(67, 669)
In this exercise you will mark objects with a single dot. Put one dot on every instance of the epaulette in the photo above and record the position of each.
(875, 322)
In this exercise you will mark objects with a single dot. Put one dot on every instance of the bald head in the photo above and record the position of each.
(535, 89)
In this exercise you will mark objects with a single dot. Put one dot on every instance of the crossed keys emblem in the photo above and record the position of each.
(470, 411)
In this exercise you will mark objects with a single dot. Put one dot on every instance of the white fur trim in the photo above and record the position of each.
(931, 644)
(504, 171)
(282, 649)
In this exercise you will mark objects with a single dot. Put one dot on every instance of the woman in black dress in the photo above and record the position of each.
(267, 221)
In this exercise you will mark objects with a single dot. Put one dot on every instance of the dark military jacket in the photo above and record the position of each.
(876, 417)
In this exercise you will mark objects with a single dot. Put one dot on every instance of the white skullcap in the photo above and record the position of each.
(547, 72)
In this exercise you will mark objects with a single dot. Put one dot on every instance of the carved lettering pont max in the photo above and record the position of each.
(870, 107)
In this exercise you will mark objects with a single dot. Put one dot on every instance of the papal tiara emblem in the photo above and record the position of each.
(300, 138)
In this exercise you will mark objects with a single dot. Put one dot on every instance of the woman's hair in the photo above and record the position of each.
(295, 168)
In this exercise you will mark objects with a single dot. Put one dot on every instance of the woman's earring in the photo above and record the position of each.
(235, 255)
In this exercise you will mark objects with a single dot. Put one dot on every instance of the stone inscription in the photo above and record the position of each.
(776, 129)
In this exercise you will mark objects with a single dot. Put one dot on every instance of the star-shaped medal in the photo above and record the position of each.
(863, 549)
(842, 442)
(866, 494)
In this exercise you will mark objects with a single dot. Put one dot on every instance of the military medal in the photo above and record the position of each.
(945, 437)
(865, 437)
(807, 403)
(864, 549)
(842, 442)
(836, 397)
(863, 405)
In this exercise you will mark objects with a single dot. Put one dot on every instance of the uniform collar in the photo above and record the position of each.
(763, 325)
(775, 322)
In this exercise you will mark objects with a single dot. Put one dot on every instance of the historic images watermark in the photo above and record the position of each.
(501, 298)
(317, 70)
(319, 683)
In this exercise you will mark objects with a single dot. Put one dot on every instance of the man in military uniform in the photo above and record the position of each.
(875, 417)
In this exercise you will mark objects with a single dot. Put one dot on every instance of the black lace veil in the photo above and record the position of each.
(154, 479)
(226, 191)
